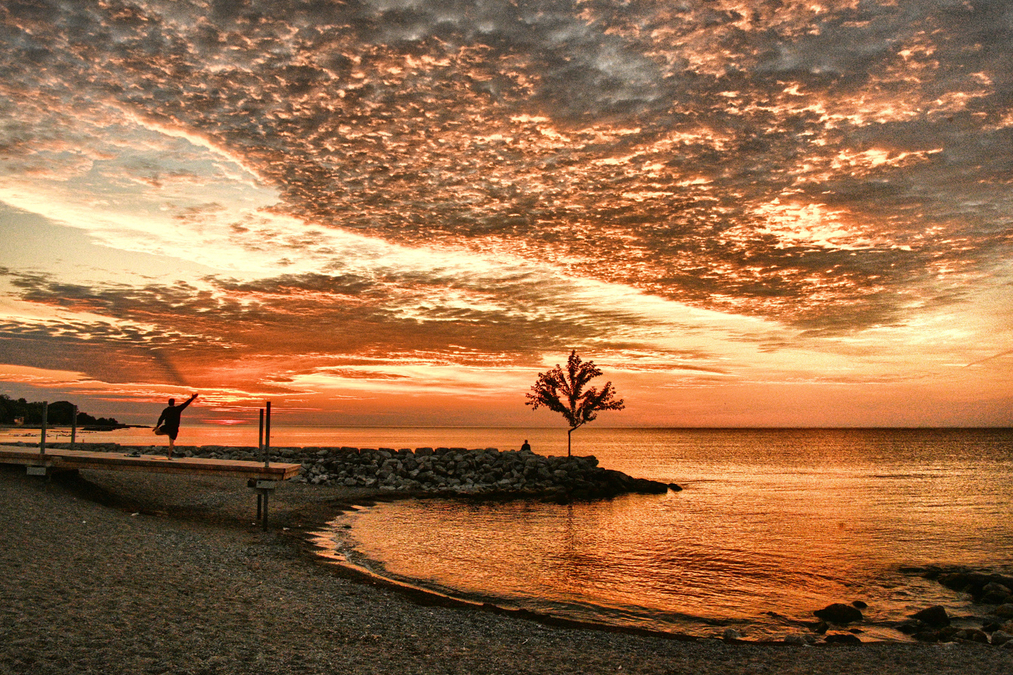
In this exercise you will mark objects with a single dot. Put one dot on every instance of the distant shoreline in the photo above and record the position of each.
(98, 428)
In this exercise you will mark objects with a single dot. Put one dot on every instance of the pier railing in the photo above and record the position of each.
(262, 478)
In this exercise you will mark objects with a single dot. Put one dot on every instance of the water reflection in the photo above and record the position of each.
(788, 524)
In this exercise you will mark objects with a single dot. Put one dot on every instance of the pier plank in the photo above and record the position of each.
(117, 461)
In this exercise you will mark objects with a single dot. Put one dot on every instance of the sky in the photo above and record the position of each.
(399, 212)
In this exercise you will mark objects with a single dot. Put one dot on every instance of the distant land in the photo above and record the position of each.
(20, 412)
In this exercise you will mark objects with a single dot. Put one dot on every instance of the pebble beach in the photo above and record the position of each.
(106, 572)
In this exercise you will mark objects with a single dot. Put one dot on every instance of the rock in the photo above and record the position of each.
(1005, 611)
(859, 604)
(649, 487)
(731, 635)
(995, 598)
(842, 639)
(485, 472)
(839, 613)
(995, 587)
(799, 640)
(934, 616)
(971, 635)
(947, 634)
(986, 588)
(1001, 637)
(909, 627)
(674, 488)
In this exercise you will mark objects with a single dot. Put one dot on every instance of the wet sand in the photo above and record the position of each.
(147, 573)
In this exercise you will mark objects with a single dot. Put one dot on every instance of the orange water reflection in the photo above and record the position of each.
(787, 522)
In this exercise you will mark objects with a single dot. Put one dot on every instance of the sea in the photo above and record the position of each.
(771, 524)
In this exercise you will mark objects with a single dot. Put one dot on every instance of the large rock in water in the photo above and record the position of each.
(934, 616)
(624, 483)
(839, 613)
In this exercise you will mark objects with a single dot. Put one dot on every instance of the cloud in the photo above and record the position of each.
(461, 181)
(401, 121)
(310, 323)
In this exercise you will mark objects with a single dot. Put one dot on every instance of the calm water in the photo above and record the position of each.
(770, 521)
(782, 521)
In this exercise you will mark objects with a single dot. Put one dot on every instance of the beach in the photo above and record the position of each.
(143, 573)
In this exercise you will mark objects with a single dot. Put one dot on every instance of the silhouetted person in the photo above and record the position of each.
(525, 447)
(168, 421)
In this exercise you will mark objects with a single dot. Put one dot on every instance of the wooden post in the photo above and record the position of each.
(73, 429)
(260, 435)
(45, 422)
(267, 440)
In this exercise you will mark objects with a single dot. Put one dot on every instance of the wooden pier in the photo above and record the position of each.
(262, 476)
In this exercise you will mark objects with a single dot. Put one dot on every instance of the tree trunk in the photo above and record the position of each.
(568, 434)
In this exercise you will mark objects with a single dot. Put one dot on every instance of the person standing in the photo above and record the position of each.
(168, 422)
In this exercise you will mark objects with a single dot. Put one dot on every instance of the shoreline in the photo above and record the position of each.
(143, 573)
(815, 632)
(367, 490)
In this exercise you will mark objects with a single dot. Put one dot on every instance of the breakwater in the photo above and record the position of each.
(440, 471)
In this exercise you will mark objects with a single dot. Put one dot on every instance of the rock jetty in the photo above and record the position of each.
(484, 472)
(992, 592)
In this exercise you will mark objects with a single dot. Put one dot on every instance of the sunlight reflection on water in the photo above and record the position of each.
(771, 521)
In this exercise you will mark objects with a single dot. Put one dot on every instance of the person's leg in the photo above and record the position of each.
(172, 445)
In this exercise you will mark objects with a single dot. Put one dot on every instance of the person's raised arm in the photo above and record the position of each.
(188, 402)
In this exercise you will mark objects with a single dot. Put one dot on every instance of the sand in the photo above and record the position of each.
(143, 573)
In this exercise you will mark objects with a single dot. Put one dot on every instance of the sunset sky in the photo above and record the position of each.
(397, 212)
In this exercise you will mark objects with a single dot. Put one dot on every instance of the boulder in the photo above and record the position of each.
(1005, 611)
(731, 635)
(987, 588)
(934, 616)
(995, 598)
(971, 635)
(842, 639)
(649, 487)
(487, 472)
(995, 587)
(839, 613)
(1001, 637)
(799, 640)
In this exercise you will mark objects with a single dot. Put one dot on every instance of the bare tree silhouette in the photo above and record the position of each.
(564, 392)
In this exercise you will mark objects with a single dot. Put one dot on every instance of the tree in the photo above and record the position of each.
(58, 413)
(565, 393)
